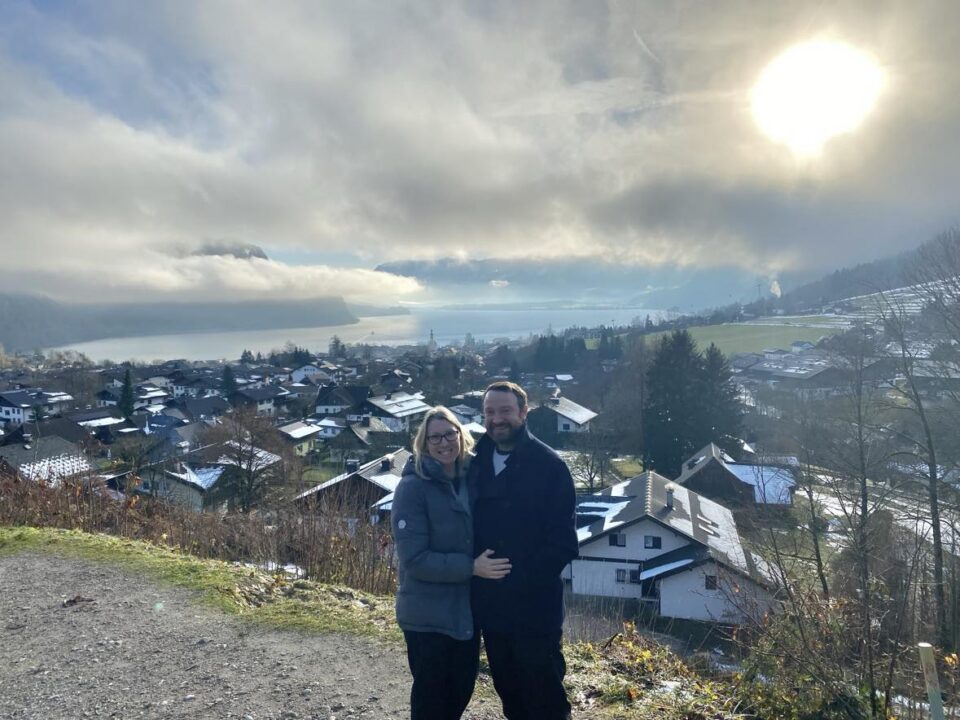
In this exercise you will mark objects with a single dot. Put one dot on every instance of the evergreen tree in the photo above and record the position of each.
(691, 400)
(246, 357)
(722, 412)
(672, 422)
(228, 381)
(126, 395)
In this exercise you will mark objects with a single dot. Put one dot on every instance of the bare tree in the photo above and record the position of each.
(251, 449)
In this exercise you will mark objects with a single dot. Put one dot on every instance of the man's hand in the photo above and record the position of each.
(491, 568)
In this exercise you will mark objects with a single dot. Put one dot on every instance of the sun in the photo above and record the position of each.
(813, 92)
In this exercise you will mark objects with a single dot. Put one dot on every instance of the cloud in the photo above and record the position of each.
(619, 132)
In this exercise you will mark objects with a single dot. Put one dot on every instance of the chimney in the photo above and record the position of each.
(352, 465)
(386, 462)
(669, 488)
(555, 401)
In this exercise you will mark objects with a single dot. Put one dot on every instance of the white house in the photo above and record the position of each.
(20, 406)
(570, 417)
(398, 410)
(652, 540)
(311, 372)
(16, 406)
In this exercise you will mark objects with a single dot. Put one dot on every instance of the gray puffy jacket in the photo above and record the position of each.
(433, 532)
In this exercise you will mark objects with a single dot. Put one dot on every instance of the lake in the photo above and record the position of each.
(448, 326)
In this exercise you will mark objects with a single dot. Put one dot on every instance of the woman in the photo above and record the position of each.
(433, 530)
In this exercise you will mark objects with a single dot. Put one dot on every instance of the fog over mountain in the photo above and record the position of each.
(585, 283)
(28, 322)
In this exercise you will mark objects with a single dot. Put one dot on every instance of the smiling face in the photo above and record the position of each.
(443, 442)
(503, 417)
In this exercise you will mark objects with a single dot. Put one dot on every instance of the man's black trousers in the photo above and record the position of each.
(528, 675)
(444, 673)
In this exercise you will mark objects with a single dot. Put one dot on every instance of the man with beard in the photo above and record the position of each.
(524, 506)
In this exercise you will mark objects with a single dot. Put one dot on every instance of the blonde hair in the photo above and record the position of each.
(420, 440)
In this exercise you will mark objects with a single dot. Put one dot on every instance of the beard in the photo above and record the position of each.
(508, 438)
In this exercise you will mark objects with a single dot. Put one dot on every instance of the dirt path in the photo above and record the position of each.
(140, 649)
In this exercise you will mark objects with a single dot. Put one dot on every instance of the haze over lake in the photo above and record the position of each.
(448, 326)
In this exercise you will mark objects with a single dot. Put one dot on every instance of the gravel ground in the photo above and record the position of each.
(132, 648)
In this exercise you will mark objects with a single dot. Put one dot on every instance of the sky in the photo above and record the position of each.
(341, 135)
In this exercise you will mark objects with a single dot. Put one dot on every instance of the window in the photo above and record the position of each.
(635, 577)
(710, 582)
(651, 542)
(621, 576)
(566, 426)
(618, 539)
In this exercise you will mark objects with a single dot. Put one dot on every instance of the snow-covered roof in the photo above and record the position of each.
(202, 477)
(700, 519)
(400, 404)
(475, 428)
(101, 422)
(332, 422)
(569, 409)
(299, 430)
(665, 568)
(771, 486)
(261, 458)
(372, 471)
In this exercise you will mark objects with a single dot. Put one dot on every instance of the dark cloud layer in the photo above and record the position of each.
(421, 130)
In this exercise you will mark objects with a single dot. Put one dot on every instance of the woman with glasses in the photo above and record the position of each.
(433, 531)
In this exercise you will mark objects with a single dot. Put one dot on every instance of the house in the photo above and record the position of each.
(187, 484)
(108, 397)
(309, 372)
(360, 439)
(670, 548)
(202, 409)
(49, 459)
(20, 406)
(335, 399)
(16, 406)
(399, 410)
(54, 427)
(354, 491)
(714, 474)
(263, 400)
(193, 478)
(560, 415)
(467, 414)
(302, 437)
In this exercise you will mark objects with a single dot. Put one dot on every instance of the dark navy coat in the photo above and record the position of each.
(526, 514)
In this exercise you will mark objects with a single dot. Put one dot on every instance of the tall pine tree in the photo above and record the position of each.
(691, 400)
(126, 395)
(228, 381)
(722, 411)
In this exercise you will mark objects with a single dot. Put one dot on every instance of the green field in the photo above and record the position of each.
(738, 338)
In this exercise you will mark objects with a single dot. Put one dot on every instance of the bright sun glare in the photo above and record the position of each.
(814, 91)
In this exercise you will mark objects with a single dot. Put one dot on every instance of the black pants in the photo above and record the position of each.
(528, 675)
(444, 673)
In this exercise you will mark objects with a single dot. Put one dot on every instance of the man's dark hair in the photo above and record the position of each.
(510, 387)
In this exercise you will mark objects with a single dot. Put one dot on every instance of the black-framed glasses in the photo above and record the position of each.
(449, 436)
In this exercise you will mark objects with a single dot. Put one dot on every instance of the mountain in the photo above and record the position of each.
(241, 251)
(29, 321)
(581, 282)
(882, 274)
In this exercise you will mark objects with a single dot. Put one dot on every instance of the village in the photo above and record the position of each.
(330, 433)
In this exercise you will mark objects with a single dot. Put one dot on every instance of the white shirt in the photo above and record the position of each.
(499, 461)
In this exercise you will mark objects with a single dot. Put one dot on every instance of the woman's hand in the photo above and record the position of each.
(491, 568)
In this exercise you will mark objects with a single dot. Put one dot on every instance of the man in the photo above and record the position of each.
(524, 506)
